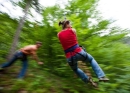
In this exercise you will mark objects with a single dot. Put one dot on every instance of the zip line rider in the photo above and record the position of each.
(74, 53)
(22, 54)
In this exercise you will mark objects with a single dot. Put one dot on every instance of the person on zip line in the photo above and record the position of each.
(74, 53)
(22, 54)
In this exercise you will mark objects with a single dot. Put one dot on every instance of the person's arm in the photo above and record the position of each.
(35, 57)
(74, 31)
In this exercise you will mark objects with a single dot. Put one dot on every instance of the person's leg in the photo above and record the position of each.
(97, 69)
(7, 64)
(24, 68)
(74, 65)
(78, 71)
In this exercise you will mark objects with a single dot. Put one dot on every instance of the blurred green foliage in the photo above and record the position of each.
(104, 42)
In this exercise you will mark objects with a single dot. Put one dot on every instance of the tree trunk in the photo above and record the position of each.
(18, 31)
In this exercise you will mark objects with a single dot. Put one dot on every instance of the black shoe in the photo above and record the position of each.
(94, 84)
(103, 79)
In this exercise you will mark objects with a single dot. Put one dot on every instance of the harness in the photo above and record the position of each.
(71, 50)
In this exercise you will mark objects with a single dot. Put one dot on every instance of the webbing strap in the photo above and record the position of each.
(71, 49)
(85, 57)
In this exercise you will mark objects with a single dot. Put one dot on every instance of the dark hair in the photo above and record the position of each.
(64, 23)
(38, 42)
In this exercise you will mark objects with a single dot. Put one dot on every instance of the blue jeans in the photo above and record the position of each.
(18, 55)
(84, 56)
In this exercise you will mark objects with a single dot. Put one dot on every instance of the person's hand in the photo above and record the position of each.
(40, 63)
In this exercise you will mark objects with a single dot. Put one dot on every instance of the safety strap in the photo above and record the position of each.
(85, 57)
(71, 49)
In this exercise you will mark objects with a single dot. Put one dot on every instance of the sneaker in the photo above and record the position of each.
(103, 79)
(94, 84)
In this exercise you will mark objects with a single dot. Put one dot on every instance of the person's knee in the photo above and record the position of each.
(90, 58)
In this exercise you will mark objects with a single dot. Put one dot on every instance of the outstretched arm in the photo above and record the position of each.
(35, 57)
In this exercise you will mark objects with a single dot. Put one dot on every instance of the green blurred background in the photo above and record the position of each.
(108, 44)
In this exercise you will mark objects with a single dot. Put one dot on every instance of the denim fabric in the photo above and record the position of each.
(18, 55)
(84, 56)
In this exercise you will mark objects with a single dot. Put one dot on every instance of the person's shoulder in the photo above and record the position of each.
(27, 47)
(33, 47)
(59, 33)
(72, 29)
(30, 46)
